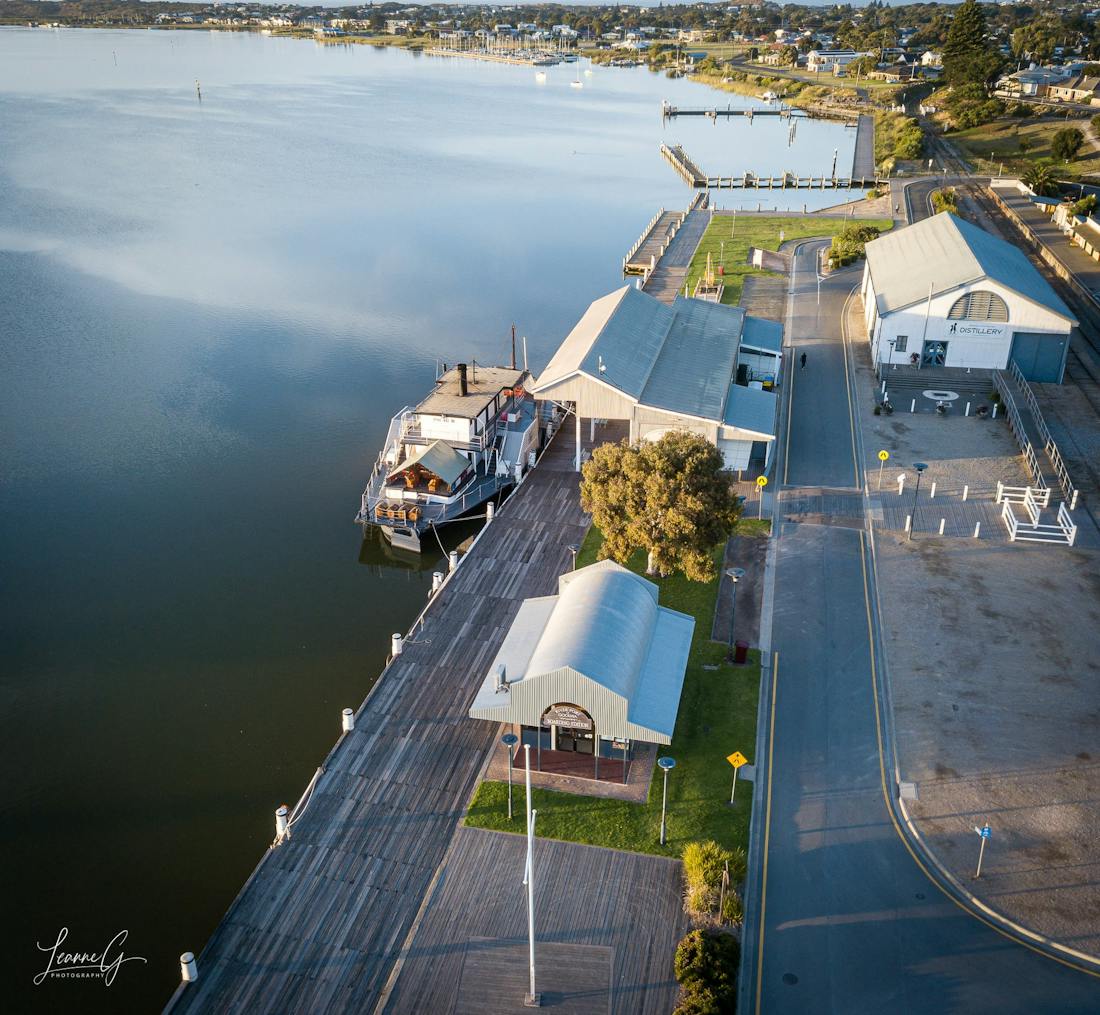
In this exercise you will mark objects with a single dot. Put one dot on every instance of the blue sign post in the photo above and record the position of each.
(983, 833)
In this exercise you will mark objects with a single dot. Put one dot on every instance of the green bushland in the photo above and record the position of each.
(849, 242)
(704, 865)
(1018, 145)
(717, 716)
(757, 231)
(946, 199)
(897, 136)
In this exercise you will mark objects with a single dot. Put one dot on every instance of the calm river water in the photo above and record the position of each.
(208, 312)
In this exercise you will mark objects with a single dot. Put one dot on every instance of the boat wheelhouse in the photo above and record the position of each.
(475, 434)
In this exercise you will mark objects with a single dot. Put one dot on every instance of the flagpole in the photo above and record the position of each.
(532, 1000)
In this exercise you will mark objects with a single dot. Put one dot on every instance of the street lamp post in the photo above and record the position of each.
(666, 764)
(510, 740)
(735, 574)
(920, 467)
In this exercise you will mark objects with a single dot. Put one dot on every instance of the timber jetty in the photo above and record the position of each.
(669, 112)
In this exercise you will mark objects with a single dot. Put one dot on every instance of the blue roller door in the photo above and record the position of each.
(1040, 357)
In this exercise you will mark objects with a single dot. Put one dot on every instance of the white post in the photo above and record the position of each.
(913, 406)
(189, 969)
(1000, 492)
(347, 720)
(994, 410)
(966, 491)
(592, 429)
(967, 413)
(489, 508)
(397, 645)
(908, 522)
(437, 581)
(281, 822)
(901, 483)
(977, 529)
(578, 462)
(532, 1000)
(943, 522)
(452, 560)
(883, 384)
(932, 491)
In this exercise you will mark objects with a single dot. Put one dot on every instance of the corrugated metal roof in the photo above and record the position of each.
(751, 409)
(440, 459)
(624, 329)
(603, 644)
(695, 365)
(679, 359)
(760, 333)
(944, 252)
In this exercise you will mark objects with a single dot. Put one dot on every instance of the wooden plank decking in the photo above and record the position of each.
(596, 910)
(321, 921)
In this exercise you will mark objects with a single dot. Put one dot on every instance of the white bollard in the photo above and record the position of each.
(908, 522)
(967, 413)
(397, 645)
(943, 522)
(966, 492)
(347, 720)
(489, 508)
(913, 406)
(437, 581)
(452, 559)
(1000, 492)
(901, 483)
(994, 410)
(977, 529)
(884, 387)
(281, 823)
(932, 492)
(189, 968)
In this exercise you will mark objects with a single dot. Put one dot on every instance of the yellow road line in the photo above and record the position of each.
(790, 406)
(848, 384)
(890, 810)
(767, 834)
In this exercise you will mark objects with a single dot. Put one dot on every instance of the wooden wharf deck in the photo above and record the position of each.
(612, 953)
(688, 171)
(863, 156)
(748, 112)
(320, 923)
(652, 243)
(667, 278)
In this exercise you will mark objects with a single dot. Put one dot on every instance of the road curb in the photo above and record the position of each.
(922, 852)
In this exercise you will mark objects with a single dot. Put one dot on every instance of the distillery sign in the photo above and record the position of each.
(971, 329)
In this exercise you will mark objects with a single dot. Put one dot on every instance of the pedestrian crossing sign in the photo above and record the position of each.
(737, 759)
(883, 455)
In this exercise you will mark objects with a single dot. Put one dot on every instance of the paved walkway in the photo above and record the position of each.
(321, 922)
(670, 274)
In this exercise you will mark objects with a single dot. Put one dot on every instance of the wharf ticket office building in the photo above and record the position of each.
(591, 670)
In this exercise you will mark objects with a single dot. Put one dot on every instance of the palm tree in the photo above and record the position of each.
(1041, 179)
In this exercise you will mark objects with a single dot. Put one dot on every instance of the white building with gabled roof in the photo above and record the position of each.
(945, 293)
(702, 367)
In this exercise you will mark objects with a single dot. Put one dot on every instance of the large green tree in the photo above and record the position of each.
(670, 497)
(967, 55)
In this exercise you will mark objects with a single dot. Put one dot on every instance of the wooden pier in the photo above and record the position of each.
(748, 112)
(321, 923)
(692, 175)
(653, 242)
(688, 171)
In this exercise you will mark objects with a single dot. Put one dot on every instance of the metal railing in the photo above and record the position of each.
(1016, 425)
(645, 236)
(1050, 446)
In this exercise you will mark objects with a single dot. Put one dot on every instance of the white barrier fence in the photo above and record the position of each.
(1063, 532)
(1071, 492)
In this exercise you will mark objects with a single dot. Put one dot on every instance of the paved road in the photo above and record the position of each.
(851, 923)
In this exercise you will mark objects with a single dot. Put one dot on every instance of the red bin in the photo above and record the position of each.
(740, 651)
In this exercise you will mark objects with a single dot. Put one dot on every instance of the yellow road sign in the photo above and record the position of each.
(737, 759)
(762, 481)
(883, 455)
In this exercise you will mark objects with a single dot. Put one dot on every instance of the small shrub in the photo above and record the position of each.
(1094, 123)
(706, 969)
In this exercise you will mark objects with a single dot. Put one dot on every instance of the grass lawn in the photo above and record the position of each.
(1000, 141)
(717, 716)
(756, 231)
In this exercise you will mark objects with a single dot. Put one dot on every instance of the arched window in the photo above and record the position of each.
(979, 306)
